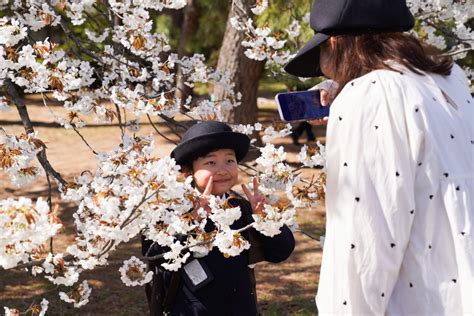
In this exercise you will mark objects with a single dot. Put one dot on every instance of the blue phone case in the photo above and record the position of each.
(301, 106)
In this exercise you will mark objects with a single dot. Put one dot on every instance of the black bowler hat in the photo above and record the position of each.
(336, 17)
(204, 137)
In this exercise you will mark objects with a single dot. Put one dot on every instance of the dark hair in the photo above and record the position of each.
(357, 55)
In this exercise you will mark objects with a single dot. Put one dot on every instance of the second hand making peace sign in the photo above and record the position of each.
(257, 199)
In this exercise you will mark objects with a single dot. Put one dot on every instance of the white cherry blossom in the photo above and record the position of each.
(78, 296)
(134, 272)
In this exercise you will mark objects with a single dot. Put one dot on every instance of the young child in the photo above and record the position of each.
(210, 151)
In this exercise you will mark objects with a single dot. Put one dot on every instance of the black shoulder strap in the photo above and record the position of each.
(168, 302)
(154, 293)
(161, 300)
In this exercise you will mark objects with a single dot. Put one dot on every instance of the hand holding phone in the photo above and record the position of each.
(301, 106)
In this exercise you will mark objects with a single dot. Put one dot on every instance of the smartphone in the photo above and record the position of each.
(301, 106)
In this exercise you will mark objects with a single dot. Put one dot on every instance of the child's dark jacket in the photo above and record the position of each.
(231, 292)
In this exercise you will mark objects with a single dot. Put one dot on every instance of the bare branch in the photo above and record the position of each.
(50, 204)
(456, 52)
(159, 133)
(25, 119)
(308, 235)
(119, 118)
(83, 139)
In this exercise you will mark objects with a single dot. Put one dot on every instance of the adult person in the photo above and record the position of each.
(400, 166)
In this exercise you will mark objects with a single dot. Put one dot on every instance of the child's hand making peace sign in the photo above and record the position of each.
(257, 199)
(204, 199)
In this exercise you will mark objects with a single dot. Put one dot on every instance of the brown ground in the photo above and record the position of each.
(283, 289)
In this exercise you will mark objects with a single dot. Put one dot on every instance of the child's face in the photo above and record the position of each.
(221, 165)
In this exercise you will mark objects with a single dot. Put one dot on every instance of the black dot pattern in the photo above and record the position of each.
(447, 173)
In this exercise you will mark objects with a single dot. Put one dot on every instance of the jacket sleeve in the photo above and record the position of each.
(273, 249)
(279, 247)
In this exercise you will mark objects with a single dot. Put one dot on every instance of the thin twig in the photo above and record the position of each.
(172, 123)
(306, 234)
(159, 133)
(459, 51)
(119, 118)
(83, 139)
(50, 204)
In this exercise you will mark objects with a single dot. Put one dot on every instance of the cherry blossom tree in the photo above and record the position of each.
(106, 61)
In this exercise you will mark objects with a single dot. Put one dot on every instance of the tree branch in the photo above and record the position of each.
(25, 119)
(159, 133)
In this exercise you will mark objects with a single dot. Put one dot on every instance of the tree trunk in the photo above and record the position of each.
(188, 27)
(244, 72)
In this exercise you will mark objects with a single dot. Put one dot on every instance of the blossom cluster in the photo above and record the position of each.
(78, 296)
(16, 155)
(24, 227)
(262, 43)
(129, 190)
(36, 309)
(445, 21)
(131, 57)
(134, 272)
